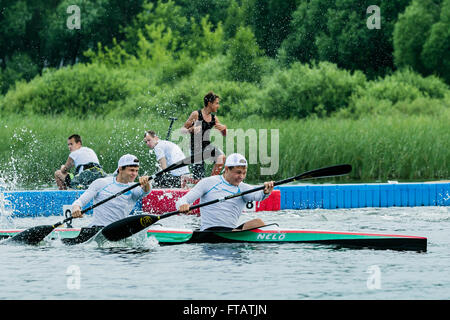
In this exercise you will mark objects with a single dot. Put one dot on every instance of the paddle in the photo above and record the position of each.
(128, 226)
(36, 234)
(172, 119)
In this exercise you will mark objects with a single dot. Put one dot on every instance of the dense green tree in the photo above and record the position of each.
(38, 32)
(436, 50)
(243, 55)
(422, 38)
(159, 36)
(337, 31)
(100, 21)
(216, 10)
(234, 19)
(411, 31)
(16, 30)
(270, 22)
(308, 21)
(167, 13)
(20, 67)
(20, 23)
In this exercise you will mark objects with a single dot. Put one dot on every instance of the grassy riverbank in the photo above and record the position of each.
(411, 148)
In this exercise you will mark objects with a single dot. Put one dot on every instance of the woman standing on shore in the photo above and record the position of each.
(198, 125)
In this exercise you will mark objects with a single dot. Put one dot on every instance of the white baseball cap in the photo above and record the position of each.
(127, 160)
(235, 160)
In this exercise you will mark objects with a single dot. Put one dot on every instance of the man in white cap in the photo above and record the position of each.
(119, 207)
(224, 216)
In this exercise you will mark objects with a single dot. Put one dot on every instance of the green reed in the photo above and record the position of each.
(413, 148)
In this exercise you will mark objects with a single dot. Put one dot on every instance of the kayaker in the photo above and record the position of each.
(121, 206)
(199, 125)
(224, 215)
(166, 153)
(85, 161)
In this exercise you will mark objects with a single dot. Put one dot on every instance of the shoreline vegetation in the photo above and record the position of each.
(382, 106)
(412, 148)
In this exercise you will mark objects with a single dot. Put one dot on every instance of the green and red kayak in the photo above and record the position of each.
(267, 234)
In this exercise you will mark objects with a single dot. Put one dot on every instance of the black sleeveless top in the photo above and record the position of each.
(203, 135)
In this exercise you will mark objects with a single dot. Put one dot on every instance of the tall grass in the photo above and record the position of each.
(379, 148)
(412, 148)
(32, 148)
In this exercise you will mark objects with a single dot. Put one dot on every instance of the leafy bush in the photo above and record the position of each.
(421, 38)
(303, 90)
(244, 57)
(76, 90)
(19, 67)
(173, 71)
(404, 92)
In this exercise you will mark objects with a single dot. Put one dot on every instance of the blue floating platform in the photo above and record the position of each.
(42, 203)
(364, 195)
(326, 196)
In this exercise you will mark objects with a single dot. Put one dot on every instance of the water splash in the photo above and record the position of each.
(6, 211)
(24, 148)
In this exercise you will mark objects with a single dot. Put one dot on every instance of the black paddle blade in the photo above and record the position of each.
(332, 171)
(32, 235)
(125, 228)
(84, 235)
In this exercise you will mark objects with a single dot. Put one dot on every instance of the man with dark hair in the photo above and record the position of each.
(199, 125)
(119, 207)
(167, 153)
(85, 161)
(224, 215)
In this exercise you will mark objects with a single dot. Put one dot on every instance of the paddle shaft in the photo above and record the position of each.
(173, 166)
(172, 119)
(128, 226)
(36, 234)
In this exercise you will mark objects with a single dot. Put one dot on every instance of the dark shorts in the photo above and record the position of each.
(198, 169)
(82, 180)
(167, 181)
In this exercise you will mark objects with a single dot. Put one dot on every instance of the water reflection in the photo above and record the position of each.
(126, 251)
(138, 244)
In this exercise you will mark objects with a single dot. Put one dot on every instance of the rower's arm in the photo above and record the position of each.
(162, 163)
(69, 164)
(259, 195)
(195, 193)
(144, 190)
(88, 195)
(221, 127)
(188, 126)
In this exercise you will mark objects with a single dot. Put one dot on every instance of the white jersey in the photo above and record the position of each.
(172, 153)
(114, 209)
(84, 155)
(220, 214)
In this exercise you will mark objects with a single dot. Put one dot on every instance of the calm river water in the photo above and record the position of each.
(145, 270)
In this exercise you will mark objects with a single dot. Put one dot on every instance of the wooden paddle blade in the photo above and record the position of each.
(126, 227)
(32, 235)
